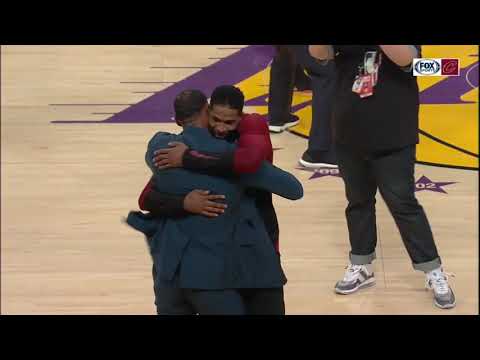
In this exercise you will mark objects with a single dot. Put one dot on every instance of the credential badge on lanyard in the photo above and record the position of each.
(367, 76)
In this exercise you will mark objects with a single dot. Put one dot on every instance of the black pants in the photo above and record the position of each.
(286, 70)
(175, 301)
(283, 73)
(392, 172)
(170, 300)
(323, 79)
(263, 301)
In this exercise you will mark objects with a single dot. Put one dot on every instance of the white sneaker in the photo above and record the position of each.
(443, 295)
(356, 277)
(318, 160)
(280, 127)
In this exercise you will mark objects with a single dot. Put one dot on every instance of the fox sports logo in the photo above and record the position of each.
(427, 67)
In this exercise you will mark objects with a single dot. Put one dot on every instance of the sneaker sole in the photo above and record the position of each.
(279, 129)
(316, 165)
(448, 306)
(366, 284)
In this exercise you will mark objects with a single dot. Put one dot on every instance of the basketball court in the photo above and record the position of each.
(75, 121)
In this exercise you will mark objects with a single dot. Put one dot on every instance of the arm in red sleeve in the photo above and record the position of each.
(254, 144)
(143, 195)
(161, 204)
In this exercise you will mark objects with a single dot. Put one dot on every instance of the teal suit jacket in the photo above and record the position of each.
(230, 251)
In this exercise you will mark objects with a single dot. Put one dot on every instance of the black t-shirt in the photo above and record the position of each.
(386, 120)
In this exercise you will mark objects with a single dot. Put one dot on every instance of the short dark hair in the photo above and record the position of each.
(228, 95)
(189, 103)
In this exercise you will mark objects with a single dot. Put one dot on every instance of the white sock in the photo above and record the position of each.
(369, 267)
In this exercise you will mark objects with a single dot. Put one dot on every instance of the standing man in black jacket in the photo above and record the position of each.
(375, 123)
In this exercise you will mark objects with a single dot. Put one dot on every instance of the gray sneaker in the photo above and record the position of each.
(356, 277)
(443, 295)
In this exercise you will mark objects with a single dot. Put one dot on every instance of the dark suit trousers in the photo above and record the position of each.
(283, 74)
(176, 301)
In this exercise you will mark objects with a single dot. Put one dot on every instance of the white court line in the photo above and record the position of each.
(466, 77)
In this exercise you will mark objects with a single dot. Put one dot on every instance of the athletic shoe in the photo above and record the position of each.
(443, 295)
(317, 160)
(276, 127)
(356, 277)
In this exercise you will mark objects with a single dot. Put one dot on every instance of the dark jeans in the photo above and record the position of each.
(391, 172)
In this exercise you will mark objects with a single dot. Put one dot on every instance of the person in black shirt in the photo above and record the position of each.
(375, 129)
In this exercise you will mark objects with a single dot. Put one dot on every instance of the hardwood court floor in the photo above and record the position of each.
(65, 188)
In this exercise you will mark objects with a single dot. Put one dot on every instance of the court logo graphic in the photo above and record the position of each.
(422, 184)
(425, 184)
(321, 172)
(426, 67)
(436, 67)
(450, 67)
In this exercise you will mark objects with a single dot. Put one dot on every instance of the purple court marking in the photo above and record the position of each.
(79, 122)
(258, 101)
(147, 82)
(425, 183)
(90, 104)
(243, 64)
(262, 101)
(158, 108)
(321, 172)
(216, 58)
(300, 106)
(472, 77)
(177, 67)
(450, 90)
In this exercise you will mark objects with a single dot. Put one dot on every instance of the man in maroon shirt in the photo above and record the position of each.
(227, 121)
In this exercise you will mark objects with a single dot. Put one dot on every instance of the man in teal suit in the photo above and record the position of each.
(210, 260)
